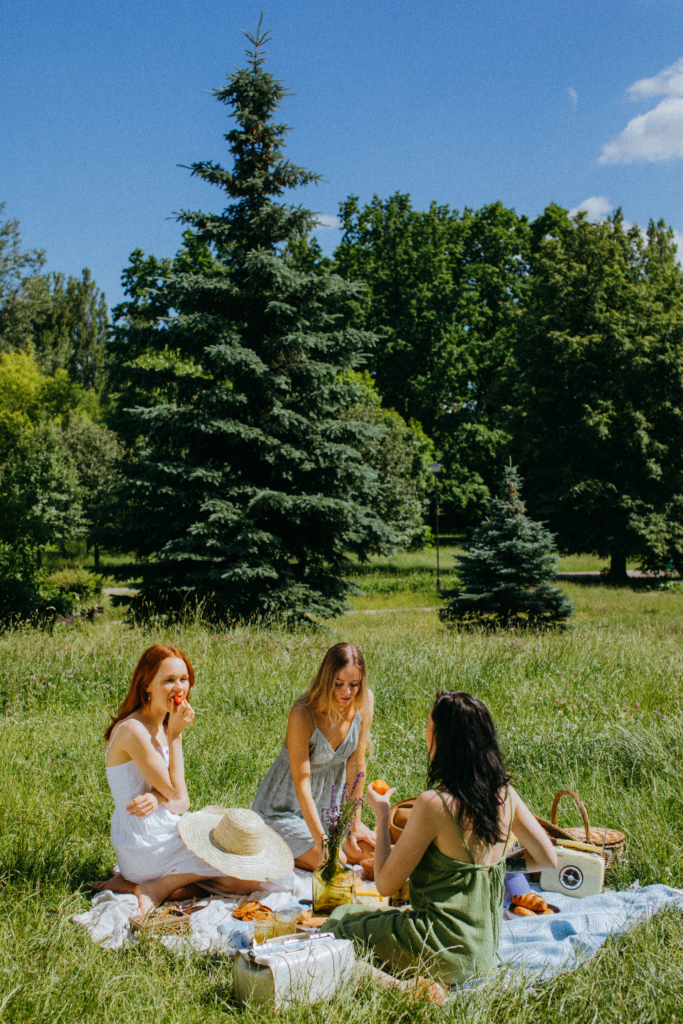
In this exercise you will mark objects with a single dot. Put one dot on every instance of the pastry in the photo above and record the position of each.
(532, 901)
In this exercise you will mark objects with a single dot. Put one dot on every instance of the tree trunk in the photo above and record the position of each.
(617, 570)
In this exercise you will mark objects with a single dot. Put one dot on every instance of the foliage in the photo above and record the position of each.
(504, 577)
(39, 491)
(25, 593)
(15, 264)
(597, 392)
(63, 322)
(27, 397)
(95, 452)
(400, 453)
(78, 582)
(441, 290)
(244, 486)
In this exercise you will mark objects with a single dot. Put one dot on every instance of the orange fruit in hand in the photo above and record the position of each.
(381, 787)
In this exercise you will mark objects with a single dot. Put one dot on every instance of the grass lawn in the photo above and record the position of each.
(596, 709)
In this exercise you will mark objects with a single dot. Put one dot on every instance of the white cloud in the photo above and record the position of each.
(658, 134)
(678, 239)
(573, 95)
(668, 82)
(649, 138)
(327, 220)
(597, 207)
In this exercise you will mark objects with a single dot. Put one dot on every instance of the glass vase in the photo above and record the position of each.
(334, 885)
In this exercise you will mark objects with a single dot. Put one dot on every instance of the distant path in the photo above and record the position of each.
(595, 576)
(380, 611)
(120, 591)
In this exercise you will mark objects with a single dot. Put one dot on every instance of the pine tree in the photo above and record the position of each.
(245, 486)
(506, 572)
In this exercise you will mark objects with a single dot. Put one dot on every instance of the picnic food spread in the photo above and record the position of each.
(252, 910)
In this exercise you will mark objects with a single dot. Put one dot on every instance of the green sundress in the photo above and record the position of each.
(454, 922)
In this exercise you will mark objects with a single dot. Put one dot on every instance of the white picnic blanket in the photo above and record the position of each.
(108, 920)
(543, 945)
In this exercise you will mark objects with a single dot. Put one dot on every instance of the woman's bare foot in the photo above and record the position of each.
(147, 895)
(117, 883)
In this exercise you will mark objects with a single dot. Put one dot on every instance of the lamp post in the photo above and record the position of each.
(436, 468)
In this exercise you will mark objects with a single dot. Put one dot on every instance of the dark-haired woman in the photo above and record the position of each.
(145, 772)
(452, 850)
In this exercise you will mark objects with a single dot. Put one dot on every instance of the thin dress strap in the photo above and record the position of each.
(302, 704)
(512, 814)
(443, 799)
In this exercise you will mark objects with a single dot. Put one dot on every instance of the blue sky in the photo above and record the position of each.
(459, 101)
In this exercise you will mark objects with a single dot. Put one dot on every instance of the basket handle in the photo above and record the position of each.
(579, 803)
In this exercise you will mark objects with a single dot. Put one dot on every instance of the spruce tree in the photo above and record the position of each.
(245, 486)
(505, 575)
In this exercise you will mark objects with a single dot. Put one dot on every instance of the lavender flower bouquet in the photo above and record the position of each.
(338, 819)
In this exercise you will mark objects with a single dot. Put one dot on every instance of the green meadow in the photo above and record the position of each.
(596, 708)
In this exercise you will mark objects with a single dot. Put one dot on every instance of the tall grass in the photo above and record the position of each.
(596, 709)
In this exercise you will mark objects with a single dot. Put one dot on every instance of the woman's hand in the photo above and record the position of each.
(360, 833)
(179, 717)
(379, 805)
(143, 805)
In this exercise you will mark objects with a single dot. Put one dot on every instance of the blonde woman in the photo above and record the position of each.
(327, 735)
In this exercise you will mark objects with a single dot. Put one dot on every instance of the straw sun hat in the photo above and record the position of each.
(237, 842)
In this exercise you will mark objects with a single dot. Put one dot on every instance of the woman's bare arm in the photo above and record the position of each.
(133, 739)
(355, 766)
(393, 867)
(299, 732)
(538, 852)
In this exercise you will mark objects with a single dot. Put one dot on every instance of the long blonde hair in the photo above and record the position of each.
(319, 697)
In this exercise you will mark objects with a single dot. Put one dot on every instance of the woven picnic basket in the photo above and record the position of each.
(609, 839)
(161, 921)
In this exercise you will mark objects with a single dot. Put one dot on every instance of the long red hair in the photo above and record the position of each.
(144, 673)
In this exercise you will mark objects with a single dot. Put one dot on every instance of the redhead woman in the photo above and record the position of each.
(452, 850)
(327, 734)
(145, 772)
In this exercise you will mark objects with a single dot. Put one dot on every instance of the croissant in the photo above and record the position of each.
(523, 912)
(532, 901)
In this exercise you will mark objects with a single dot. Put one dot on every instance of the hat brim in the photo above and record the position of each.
(274, 861)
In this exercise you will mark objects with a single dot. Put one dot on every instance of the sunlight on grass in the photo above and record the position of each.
(596, 709)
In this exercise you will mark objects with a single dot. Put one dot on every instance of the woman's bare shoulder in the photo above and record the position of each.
(301, 715)
(430, 800)
(131, 728)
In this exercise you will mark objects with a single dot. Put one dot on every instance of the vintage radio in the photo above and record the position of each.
(578, 872)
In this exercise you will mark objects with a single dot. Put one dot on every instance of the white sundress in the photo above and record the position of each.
(151, 847)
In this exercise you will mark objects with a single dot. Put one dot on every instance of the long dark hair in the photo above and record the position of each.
(467, 762)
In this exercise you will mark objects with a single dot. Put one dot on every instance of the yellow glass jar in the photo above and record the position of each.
(334, 885)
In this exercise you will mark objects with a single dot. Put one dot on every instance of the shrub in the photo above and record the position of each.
(24, 590)
(79, 582)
